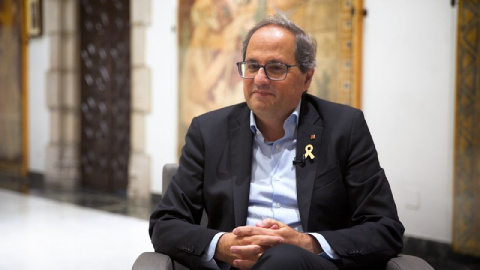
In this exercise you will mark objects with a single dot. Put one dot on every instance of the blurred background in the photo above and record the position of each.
(95, 97)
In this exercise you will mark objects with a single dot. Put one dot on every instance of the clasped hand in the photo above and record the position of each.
(244, 245)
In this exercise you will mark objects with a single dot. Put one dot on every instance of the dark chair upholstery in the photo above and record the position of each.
(158, 261)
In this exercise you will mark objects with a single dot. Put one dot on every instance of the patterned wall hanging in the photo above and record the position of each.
(210, 37)
(466, 209)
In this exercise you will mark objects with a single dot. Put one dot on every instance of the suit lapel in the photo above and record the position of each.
(241, 163)
(309, 132)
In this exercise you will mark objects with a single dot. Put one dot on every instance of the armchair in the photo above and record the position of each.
(157, 261)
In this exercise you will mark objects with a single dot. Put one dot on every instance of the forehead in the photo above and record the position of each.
(271, 43)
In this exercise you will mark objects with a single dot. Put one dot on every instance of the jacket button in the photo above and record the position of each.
(188, 248)
(353, 252)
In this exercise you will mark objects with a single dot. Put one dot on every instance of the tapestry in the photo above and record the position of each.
(466, 209)
(210, 36)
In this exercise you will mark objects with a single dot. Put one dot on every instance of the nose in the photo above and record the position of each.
(261, 77)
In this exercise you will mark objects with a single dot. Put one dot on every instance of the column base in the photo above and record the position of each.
(62, 166)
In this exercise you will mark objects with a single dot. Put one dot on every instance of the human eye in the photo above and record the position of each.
(252, 66)
(276, 68)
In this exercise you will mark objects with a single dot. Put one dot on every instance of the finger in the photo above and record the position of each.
(272, 227)
(243, 264)
(249, 231)
(250, 252)
(267, 240)
(261, 240)
(270, 222)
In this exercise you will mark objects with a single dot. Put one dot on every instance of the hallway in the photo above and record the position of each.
(84, 229)
(39, 233)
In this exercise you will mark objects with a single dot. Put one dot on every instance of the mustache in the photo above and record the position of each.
(262, 91)
(262, 88)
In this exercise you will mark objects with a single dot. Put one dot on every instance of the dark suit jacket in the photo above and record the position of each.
(343, 192)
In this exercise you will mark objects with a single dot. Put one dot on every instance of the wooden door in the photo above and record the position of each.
(13, 94)
(105, 93)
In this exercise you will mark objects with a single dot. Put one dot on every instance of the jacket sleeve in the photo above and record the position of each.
(374, 232)
(174, 224)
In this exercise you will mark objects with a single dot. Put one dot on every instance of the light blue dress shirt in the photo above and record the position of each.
(273, 186)
(273, 189)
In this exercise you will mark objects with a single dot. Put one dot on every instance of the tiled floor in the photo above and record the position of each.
(95, 199)
(85, 197)
(40, 233)
(85, 229)
(440, 256)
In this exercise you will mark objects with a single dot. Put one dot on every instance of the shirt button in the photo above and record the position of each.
(278, 205)
(277, 178)
(277, 146)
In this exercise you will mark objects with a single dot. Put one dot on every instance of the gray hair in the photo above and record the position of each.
(305, 45)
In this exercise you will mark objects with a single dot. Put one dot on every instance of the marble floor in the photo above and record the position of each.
(41, 233)
(43, 227)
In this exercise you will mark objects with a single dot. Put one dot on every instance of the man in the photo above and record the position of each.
(288, 181)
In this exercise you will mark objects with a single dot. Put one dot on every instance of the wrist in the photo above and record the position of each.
(312, 244)
(222, 251)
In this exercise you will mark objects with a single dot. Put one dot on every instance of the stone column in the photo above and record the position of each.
(139, 168)
(63, 94)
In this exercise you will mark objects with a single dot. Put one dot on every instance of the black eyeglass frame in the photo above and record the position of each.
(239, 64)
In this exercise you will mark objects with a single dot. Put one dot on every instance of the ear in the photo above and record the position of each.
(308, 79)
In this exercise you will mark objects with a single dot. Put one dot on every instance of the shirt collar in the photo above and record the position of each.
(293, 119)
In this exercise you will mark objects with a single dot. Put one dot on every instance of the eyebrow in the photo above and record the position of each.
(270, 61)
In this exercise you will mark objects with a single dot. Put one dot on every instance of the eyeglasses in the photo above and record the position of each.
(274, 71)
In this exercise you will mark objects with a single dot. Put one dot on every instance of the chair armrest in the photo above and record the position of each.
(153, 261)
(168, 172)
(407, 262)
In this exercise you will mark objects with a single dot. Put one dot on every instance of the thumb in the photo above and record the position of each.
(269, 223)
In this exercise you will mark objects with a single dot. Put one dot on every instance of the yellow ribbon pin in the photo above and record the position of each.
(308, 152)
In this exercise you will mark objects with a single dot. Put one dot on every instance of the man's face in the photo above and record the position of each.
(274, 99)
